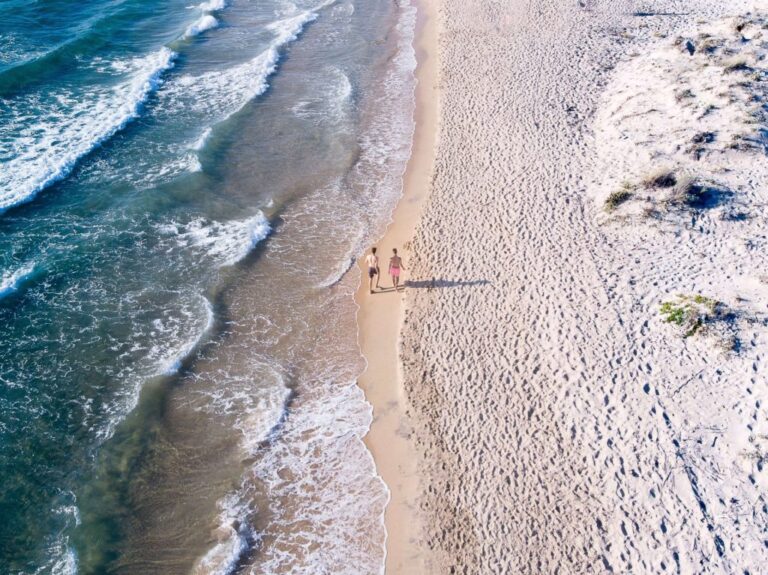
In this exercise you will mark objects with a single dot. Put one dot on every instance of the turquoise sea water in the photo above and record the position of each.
(168, 174)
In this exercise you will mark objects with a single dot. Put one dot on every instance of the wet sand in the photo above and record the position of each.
(380, 320)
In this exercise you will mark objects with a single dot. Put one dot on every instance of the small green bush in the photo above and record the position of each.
(615, 199)
(691, 313)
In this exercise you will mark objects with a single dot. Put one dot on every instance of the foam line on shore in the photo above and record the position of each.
(381, 315)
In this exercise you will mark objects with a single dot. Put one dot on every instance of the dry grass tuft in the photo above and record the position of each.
(616, 198)
(662, 177)
(736, 64)
(684, 95)
(684, 192)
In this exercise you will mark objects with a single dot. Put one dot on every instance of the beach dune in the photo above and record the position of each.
(547, 432)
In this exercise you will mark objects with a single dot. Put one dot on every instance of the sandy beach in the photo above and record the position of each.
(380, 320)
(578, 381)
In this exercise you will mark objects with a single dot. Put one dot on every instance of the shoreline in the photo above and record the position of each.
(380, 318)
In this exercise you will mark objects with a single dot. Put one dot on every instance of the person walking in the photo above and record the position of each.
(395, 265)
(372, 261)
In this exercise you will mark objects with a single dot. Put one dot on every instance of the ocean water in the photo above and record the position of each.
(183, 190)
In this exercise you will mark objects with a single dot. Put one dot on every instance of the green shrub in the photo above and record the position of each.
(615, 199)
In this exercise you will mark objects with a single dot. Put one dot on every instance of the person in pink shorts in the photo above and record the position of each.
(395, 265)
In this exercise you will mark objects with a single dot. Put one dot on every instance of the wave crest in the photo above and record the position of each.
(52, 149)
(11, 281)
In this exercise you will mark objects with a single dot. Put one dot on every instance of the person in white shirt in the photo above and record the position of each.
(372, 261)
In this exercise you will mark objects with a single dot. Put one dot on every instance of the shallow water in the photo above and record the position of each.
(183, 190)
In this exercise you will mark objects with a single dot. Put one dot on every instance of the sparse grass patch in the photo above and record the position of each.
(651, 213)
(756, 115)
(703, 138)
(699, 142)
(683, 192)
(708, 109)
(736, 64)
(741, 142)
(684, 95)
(709, 44)
(690, 192)
(662, 177)
(735, 215)
(711, 304)
(616, 198)
(683, 314)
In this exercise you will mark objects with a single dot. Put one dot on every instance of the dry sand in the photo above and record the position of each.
(559, 425)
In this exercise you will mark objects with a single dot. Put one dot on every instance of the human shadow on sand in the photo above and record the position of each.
(443, 283)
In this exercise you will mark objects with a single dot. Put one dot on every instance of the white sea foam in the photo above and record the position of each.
(213, 5)
(257, 411)
(10, 281)
(41, 153)
(173, 359)
(222, 93)
(62, 559)
(201, 141)
(225, 92)
(330, 102)
(346, 262)
(205, 22)
(326, 501)
(195, 165)
(66, 564)
(329, 476)
(233, 538)
(227, 243)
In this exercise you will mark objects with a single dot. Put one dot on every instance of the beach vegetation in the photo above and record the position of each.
(741, 142)
(696, 151)
(683, 95)
(691, 313)
(703, 138)
(735, 215)
(651, 213)
(736, 64)
(662, 177)
(710, 45)
(756, 115)
(690, 192)
(685, 45)
(738, 25)
(616, 198)
(684, 192)
(699, 143)
(708, 109)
